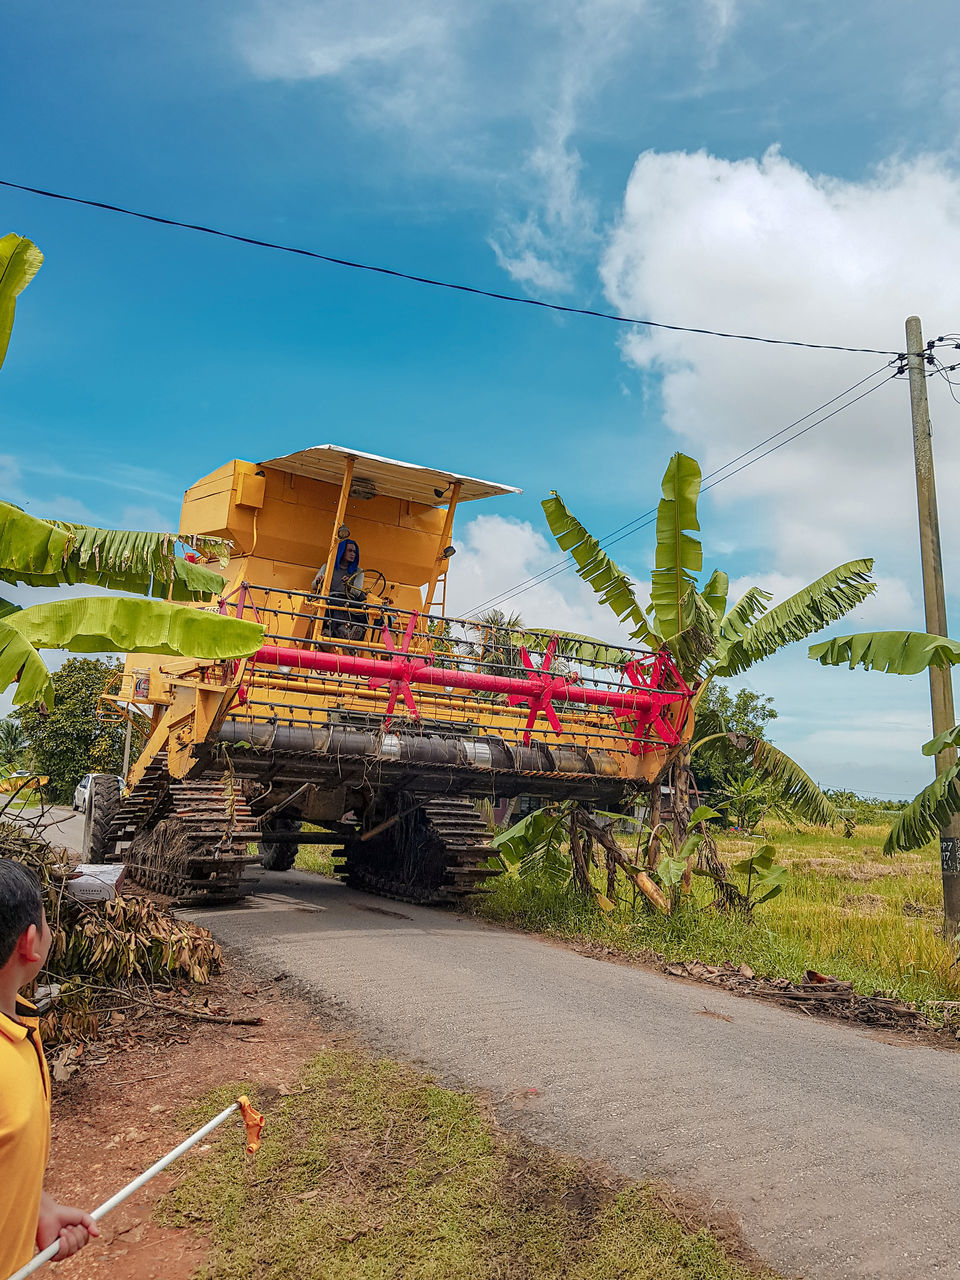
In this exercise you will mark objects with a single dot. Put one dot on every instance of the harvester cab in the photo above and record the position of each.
(368, 712)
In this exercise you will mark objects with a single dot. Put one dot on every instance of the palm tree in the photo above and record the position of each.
(499, 638)
(709, 637)
(13, 743)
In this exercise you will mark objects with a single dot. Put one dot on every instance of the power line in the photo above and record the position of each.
(646, 518)
(651, 515)
(434, 283)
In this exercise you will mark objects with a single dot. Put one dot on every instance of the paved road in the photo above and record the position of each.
(839, 1153)
(64, 827)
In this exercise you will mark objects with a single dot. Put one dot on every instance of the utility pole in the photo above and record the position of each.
(935, 609)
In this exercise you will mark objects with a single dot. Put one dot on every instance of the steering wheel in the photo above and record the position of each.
(358, 581)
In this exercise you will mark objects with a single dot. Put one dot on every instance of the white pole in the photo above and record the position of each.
(52, 1250)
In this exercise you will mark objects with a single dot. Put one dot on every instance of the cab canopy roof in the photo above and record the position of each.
(373, 475)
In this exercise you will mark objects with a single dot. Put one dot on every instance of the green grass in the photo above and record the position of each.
(846, 910)
(374, 1172)
(322, 859)
(19, 804)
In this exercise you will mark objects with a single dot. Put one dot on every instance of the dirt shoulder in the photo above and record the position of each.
(119, 1113)
(379, 1134)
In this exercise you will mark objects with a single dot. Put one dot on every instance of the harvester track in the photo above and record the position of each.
(435, 851)
(186, 839)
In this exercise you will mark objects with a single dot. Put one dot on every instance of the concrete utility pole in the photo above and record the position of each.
(935, 608)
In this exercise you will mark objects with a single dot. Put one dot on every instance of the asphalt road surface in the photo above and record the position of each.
(838, 1152)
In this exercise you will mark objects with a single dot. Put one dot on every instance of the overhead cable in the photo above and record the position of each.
(648, 517)
(435, 283)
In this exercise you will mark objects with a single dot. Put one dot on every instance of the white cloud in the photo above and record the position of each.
(764, 247)
(455, 84)
(302, 40)
(495, 553)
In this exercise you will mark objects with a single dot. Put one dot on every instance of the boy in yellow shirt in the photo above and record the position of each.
(28, 1215)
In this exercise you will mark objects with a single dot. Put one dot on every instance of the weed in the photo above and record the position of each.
(845, 910)
(375, 1171)
(322, 859)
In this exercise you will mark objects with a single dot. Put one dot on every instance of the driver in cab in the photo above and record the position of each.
(345, 589)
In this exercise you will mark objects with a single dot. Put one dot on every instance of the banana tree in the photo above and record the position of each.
(907, 653)
(709, 636)
(36, 552)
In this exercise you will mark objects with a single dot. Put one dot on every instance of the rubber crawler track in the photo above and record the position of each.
(186, 839)
(445, 864)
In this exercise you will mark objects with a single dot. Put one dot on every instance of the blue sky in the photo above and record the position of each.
(776, 168)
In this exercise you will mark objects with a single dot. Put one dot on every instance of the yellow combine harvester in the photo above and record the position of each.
(367, 712)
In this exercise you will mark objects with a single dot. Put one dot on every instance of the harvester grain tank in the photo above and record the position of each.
(368, 712)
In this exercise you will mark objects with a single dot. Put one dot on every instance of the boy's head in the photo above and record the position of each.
(24, 933)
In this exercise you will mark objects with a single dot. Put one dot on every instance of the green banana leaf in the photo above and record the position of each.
(699, 637)
(18, 658)
(20, 260)
(679, 554)
(30, 547)
(608, 580)
(798, 789)
(575, 647)
(715, 593)
(811, 609)
(926, 813)
(751, 605)
(50, 553)
(111, 625)
(736, 621)
(903, 653)
(950, 738)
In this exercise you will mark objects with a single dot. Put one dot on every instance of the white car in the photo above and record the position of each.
(80, 793)
(82, 790)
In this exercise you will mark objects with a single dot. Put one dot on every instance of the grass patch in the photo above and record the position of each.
(374, 1172)
(846, 910)
(322, 859)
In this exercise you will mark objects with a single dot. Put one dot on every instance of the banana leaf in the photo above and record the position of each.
(797, 788)
(903, 653)
(608, 580)
(20, 260)
(30, 547)
(950, 738)
(926, 813)
(679, 554)
(811, 609)
(699, 637)
(751, 605)
(715, 593)
(50, 553)
(20, 662)
(111, 625)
